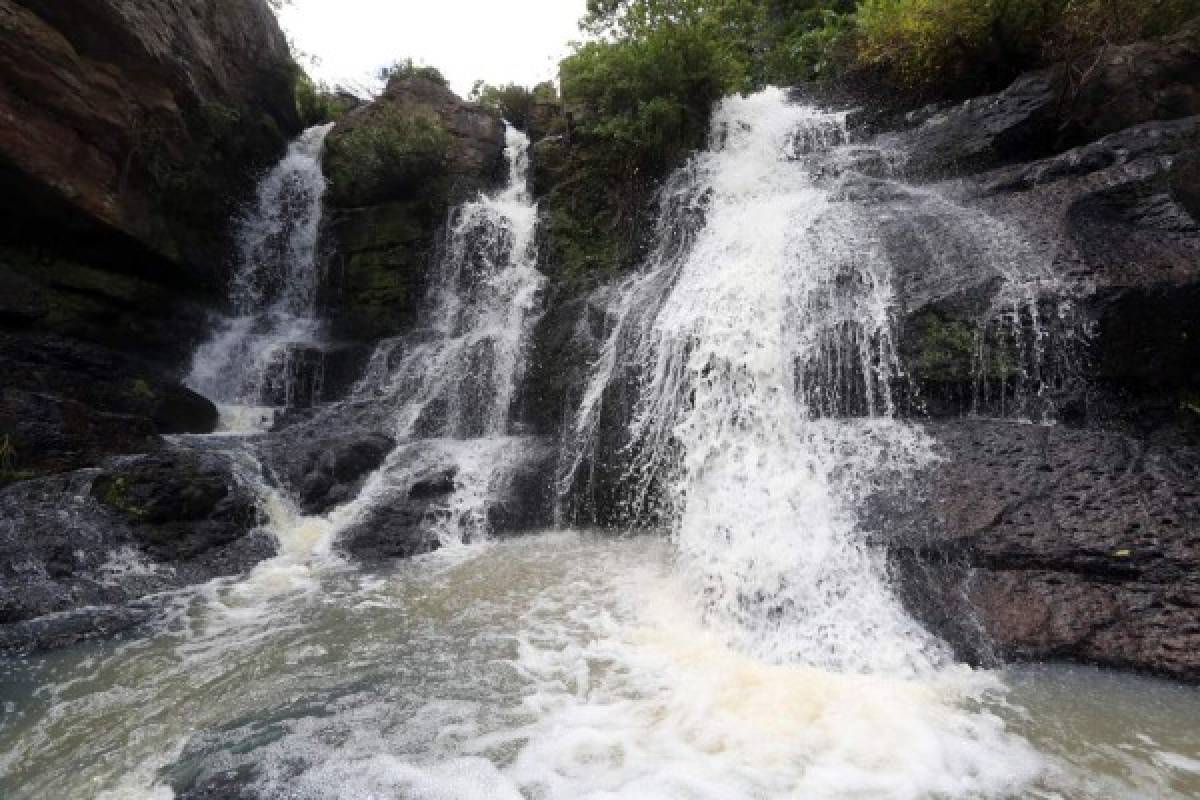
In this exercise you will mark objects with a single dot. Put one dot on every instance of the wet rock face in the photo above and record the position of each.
(78, 550)
(180, 505)
(1063, 543)
(1040, 114)
(133, 132)
(1075, 541)
(67, 404)
(122, 105)
(326, 471)
(431, 496)
(404, 527)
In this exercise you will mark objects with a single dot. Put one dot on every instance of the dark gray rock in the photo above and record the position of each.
(68, 404)
(78, 550)
(325, 470)
(431, 492)
(46, 433)
(1059, 543)
(180, 504)
(1041, 114)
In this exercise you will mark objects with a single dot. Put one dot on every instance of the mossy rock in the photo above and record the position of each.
(941, 348)
(385, 253)
(390, 155)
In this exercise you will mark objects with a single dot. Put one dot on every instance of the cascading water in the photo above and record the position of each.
(753, 347)
(451, 383)
(756, 653)
(444, 391)
(256, 356)
(456, 377)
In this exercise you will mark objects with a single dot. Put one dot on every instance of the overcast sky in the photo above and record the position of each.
(497, 40)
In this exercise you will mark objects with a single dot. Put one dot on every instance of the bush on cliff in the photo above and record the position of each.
(956, 47)
(388, 155)
(407, 68)
(317, 103)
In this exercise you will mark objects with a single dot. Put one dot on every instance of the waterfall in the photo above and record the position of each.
(260, 355)
(445, 390)
(759, 345)
(457, 375)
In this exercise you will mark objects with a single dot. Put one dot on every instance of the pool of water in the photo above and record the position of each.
(558, 665)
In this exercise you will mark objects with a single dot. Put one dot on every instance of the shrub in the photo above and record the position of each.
(952, 47)
(317, 103)
(514, 103)
(407, 68)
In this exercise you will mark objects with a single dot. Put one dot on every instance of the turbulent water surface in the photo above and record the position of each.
(563, 665)
(745, 642)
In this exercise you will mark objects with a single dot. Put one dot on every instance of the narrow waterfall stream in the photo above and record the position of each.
(254, 359)
(742, 640)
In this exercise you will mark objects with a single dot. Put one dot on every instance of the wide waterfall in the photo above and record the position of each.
(765, 362)
(256, 355)
(740, 638)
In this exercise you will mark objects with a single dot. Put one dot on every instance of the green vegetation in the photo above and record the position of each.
(390, 154)
(317, 103)
(524, 108)
(935, 48)
(637, 96)
(953, 47)
(407, 68)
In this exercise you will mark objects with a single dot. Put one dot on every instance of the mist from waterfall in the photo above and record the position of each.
(255, 356)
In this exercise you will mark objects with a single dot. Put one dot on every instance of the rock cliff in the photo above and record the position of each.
(1075, 540)
(131, 133)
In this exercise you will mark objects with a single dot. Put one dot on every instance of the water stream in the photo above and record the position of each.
(254, 362)
(748, 646)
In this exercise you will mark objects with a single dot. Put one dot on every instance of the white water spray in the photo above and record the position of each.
(254, 358)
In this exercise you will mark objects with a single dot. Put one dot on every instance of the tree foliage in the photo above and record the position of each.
(407, 68)
(961, 46)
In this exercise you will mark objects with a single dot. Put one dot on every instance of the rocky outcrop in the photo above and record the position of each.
(1044, 112)
(1077, 540)
(396, 166)
(131, 133)
(140, 118)
(55, 388)
(78, 550)
(1064, 543)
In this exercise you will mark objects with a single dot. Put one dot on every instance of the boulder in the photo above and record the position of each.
(180, 505)
(79, 551)
(455, 490)
(325, 470)
(403, 527)
(1069, 544)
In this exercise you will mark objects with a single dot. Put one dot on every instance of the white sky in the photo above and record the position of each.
(498, 40)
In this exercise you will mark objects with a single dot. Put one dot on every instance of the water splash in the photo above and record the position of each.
(259, 355)
(457, 375)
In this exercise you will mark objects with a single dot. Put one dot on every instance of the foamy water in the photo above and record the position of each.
(562, 665)
(752, 647)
